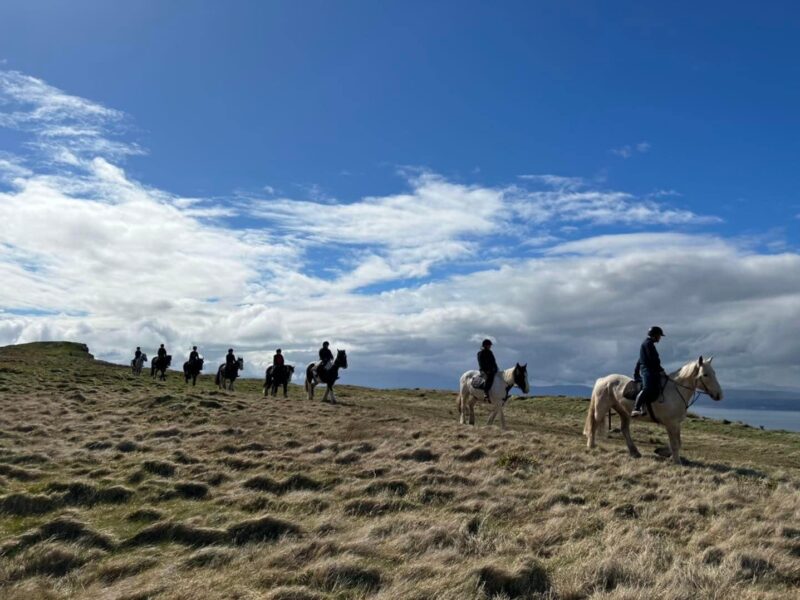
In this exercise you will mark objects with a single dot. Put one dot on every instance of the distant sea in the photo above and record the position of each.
(788, 420)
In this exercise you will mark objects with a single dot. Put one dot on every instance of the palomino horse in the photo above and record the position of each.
(678, 392)
(191, 369)
(160, 365)
(137, 363)
(229, 374)
(316, 375)
(468, 395)
(282, 377)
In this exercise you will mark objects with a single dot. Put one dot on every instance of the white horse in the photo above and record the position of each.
(468, 395)
(677, 395)
(137, 363)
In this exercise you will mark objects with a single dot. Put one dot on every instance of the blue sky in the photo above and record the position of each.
(471, 160)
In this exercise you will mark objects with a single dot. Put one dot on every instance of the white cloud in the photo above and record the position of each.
(629, 150)
(87, 253)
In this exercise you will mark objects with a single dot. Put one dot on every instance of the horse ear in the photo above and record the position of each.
(700, 360)
(710, 359)
(518, 365)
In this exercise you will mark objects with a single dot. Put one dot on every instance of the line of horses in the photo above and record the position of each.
(316, 374)
(612, 392)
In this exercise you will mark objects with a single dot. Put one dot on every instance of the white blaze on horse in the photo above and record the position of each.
(137, 363)
(227, 374)
(273, 380)
(468, 394)
(316, 374)
(679, 389)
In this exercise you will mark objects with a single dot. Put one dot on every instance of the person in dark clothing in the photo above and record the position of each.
(138, 353)
(487, 366)
(193, 355)
(650, 370)
(277, 363)
(325, 355)
(162, 352)
(230, 358)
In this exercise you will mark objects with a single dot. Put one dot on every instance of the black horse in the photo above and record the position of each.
(316, 373)
(160, 364)
(282, 377)
(191, 369)
(228, 373)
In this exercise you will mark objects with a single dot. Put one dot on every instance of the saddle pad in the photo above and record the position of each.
(478, 382)
(631, 390)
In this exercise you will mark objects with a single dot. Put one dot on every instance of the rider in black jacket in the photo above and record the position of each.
(650, 370)
(488, 366)
(325, 355)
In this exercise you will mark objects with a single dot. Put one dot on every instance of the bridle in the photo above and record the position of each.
(694, 393)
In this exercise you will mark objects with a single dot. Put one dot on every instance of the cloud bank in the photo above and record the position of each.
(564, 274)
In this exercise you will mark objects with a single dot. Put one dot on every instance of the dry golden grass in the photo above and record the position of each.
(125, 488)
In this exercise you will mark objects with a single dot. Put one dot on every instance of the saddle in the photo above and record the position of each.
(478, 382)
(631, 390)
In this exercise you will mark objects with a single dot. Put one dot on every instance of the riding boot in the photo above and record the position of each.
(638, 407)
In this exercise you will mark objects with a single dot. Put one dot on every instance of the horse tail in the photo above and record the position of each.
(216, 379)
(595, 416)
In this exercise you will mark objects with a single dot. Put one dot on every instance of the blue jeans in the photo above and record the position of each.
(651, 389)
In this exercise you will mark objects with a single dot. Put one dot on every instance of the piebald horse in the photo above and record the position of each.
(315, 376)
(226, 375)
(679, 389)
(273, 380)
(468, 395)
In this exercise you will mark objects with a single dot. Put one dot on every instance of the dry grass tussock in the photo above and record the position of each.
(123, 488)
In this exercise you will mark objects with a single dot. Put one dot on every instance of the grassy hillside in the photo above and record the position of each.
(119, 487)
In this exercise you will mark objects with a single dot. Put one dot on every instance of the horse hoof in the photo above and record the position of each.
(636, 454)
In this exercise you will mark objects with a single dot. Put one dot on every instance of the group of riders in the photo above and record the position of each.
(278, 361)
(647, 374)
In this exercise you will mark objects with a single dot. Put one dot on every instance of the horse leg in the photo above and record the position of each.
(333, 395)
(625, 427)
(471, 405)
(492, 414)
(285, 390)
(674, 432)
(502, 416)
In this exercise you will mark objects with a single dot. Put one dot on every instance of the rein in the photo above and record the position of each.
(694, 393)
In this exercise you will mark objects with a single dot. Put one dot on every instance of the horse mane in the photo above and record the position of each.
(687, 371)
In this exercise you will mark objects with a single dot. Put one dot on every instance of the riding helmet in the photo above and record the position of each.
(655, 330)
(325, 343)
(486, 342)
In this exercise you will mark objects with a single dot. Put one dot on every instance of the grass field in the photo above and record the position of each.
(119, 487)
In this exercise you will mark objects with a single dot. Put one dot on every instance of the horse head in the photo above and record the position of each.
(521, 377)
(239, 363)
(290, 371)
(706, 379)
(341, 359)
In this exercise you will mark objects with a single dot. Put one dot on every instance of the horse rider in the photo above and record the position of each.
(230, 360)
(487, 365)
(162, 353)
(325, 356)
(650, 370)
(278, 363)
(194, 355)
(137, 354)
